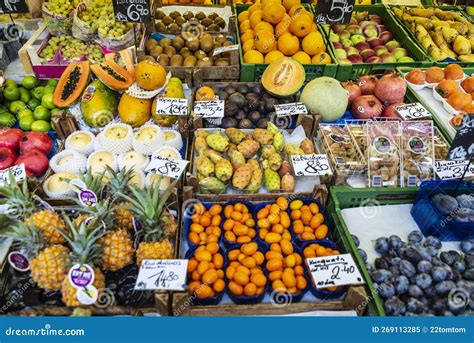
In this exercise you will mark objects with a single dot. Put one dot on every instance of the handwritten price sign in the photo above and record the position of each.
(209, 109)
(171, 106)
(19, 173)
(311, 165)
(334, 11)
(162, 274)
(13, 6)
(412, 111)
(167, 166)
(451, 170)
(132, 11)
(290, 109)
(337, 270)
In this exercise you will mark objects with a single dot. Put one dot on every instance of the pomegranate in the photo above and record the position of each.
(390, 111)
(367, 84)
(353, 90)
(7, 158)
(390, 88)
(35, 162)
(366, 107)
(10, 138)
(36, 140)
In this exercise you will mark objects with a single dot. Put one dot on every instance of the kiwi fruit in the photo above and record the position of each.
(193, 21)
(163, 59)
(156, 51)
(177, 43)
(173, 27)
(180, 21)
(222, 62)
(167, 20)
(188, 15)
(165, 42)
(213, 27)
(200, 54)
(212, 15)
(200, 16)
(192, 44)
(206, 22)
(205, 62)
(170, 51)
(176, 61)
(159, 14)
(219, 22)
(175, 14)
(185, 52)
(186, 35)
(190, 61)
(160, 26)
(220, 38)
(206, 42)
(149, 44)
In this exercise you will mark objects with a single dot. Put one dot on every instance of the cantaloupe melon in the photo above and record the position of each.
(283, 77)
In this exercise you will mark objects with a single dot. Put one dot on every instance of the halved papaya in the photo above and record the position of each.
(283, 77)
(112, 75)
(124, 59)
(71, 84)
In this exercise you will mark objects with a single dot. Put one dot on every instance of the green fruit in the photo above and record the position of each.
(47, 101)
(10, 83)
(41, 126)
(7, 119)
(16, 106)
(100, 107)
(52, 82)
(41, 113)
(49, 89)
(30, 82)
(25, 122)
(11, 93)
(24, 95)
(54, 111)
(38, 92)
(3, 108)
(25, 112)
(33, 103)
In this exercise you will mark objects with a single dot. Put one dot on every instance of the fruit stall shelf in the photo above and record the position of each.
(353, 300)
(342, 197)
(348, 71)
(441, 64)
(254, 72)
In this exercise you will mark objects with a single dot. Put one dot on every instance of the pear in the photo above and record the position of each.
(462, 46)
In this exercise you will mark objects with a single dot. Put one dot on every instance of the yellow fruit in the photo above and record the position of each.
(255, 18)
(283, 26)
(244, 26)
(254, 7)
(253, 57)
(301, 24)
(290, 3)
(248, 45)
(272, 56)
(302, 57)
(313, 43)
(263, 26)
(264, 41)
(243, 16)
(321, 58)
(296, 205)
(204, 93)
(288, 44)
(274, 13)
(247, 35)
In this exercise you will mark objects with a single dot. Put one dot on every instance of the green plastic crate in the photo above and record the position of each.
(349, 71)
(254, 72)
(341, 197)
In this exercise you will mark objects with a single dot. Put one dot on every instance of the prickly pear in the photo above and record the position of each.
(235, 135)
(285, 168)
(273, 162)
(204, 166)
(237, 159)
(213, 155)
(307, 146)
(224, 170)
(278, 141)
(267, 151)
(242, 176)
(217, 141)
(257, 177)
(288, 183)
(272, 181)
(291, 149)
(262, 136)
(232, 147)
(200, 145)
(202, 133)
(248, 148)
(272, 128)
(212, 185)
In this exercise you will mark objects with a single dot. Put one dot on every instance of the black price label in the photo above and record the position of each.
(13, 7)
(334, 11)
(132, 11)
(462, 147)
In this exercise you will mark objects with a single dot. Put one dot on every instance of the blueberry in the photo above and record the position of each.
(456, 275)
(381, 275)
(381, 263)
(444, 287)
(432, 241)
(381, 245)
(395, 242)
(459, 266)
(386, 290)
(395, 270)
(469, 259)
(423, 280)
(463, 215)
(446, 258)
(425, 254)
(437, 262)
(467, 246)
(468, 286)
(394, 306)
(395, 261)
(446, 204)
(415, 236)
(356, 240)
(430, 292)
(449, 273)
(369, 267)
(401, 284)
(431, 250)
(468, 274)
(424, 266)
(439, 274)
(406, 268)
(465, 200)
(414, 305)
(363, 254)
(415, 291)
(392, 253)
(413, 255)
(454, 255)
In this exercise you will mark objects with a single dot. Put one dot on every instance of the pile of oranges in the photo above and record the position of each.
(239, 225)
(307, 221)
(316, 250)
(274, 222)
(245, 274)
(205, 226)
(285, 268)
(271, 29)
(206, 270)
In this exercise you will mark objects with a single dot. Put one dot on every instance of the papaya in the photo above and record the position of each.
(71, 84)
(174, 89)
(150, 75)
(123, 59)
(133, 111)
(113, 75)
(283, 77)
(98, 104)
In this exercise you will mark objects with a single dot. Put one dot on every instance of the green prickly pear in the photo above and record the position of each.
(204, 166)
(272, 128)
(273, 162)
(262, 136)
(235, 135)
(291, 149)
(212, 185)
(224, 170)
(200, 145)
(242, 176)
(257, 177)
(272, 181)
(278, 141)
(217, 141)
(236, 158)
(267, 151)
(213, 155)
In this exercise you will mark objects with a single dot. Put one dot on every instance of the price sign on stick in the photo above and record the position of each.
(334, 11)
(162, 274)
(173, 106)
(311, 165)
(13, 6)
(412, 111)
(336, 270)
(19, 173)
(132, 11)
(451, 170)
(210, 109)
(167, 166)
(290, 109)
(462, 147)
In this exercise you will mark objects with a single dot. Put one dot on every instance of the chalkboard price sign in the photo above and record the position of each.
(13, 6)
(334, 11)
(132, 11)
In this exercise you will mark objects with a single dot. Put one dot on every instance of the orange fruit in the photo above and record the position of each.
(434, 74)
(253, 57)
(288, 44)
(264, 26)
(313, 43)
(274, 13)
(228, 210)
(254, 7)
(243, 16)
(248, 45)
(453, 72)
(446, 88)
(283, 26)
(301, 24)
(468, 84)
(255, 18)
(290, 3)
(282, 202)
(264, 41)
(247, 35)
(244, 26)
(302, 57)
(321, 232)
(459, 100)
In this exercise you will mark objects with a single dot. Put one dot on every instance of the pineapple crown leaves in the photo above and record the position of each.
(118, 182)
(18, 198)
(94, 182)
(24, 235)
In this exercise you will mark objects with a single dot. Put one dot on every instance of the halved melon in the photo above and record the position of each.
(113, 75)
(124, 59)
(283, 77)
(71, 84)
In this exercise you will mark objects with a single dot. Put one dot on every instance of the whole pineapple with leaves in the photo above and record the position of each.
(22, 205)
(157, 224)
(118, 184)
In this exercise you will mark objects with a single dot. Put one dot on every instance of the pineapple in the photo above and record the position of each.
(118, 250)
(118, 183)
(157, 224)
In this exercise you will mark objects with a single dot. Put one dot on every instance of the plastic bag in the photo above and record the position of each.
(57, 24)
(81, 29)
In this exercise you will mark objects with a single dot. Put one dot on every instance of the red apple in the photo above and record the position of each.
(366, 107)
(388, 58)
(36, 162)
(367, 53)
(10, 138)
(374, 41)
(356, 58)
(7, 158)
(374, 59)
(362, 46)
(386, 37)
(390, 111)
(36, 140)
(376, 18)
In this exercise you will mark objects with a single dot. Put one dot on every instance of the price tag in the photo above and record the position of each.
(451, 170)
(13, 7)
(220, 50)
(334, 11)
(19, 173)
(336, 270)
(210, 109)
(162, 274)
(311, 165)
(167, 166)
(171, 106)
(412, 111)
(462, 147)
(132, 11)
(290, 109)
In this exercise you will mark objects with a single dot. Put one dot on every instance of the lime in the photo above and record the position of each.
(33, 103)
(24, 95)
(52, 82)
(11, 93)
(7, 119)
(30, 82)
(41, 126)
(49, 89)
(25, 122)
(3, 108)
(38, 92)
(47, 101)
(10, 83)
(25, 112)
(41, 113)
(16, 106)
(54, 111)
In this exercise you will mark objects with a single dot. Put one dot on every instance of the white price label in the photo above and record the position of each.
(171, 106)
(311, 165)
(19, 173)
(210, 108)
(167, 166)
(451, 170)
(290, 109)
(412, 111)
(220, 50)
(336, 270)
(162, 274)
